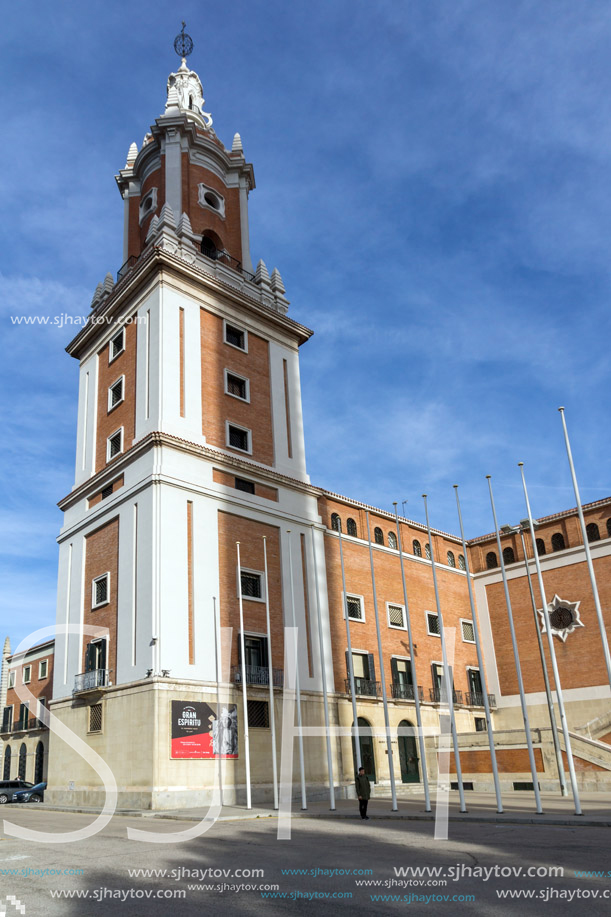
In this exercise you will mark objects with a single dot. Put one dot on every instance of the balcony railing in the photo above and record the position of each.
(257, 675)
(22, 725)
(88, 681)
(476, 699)
(364, 686)
(225, 258)
(439, 696)
(406, 692)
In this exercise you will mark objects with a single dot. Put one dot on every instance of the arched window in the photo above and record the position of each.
(23, 755)
(335, 522)
(609, 528)
(557, 541)
(508, 556)
(461, 562)
(417, 548)
(351, 527)
(39, 765)
(378, 535)
(427, 550)
(209, 249)
(540, 547)
(7, 763)
(491, 561)
(451, 559)
(592, 532)
(392, 540)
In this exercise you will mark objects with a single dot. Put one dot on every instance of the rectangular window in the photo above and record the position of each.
(238, 438)
(402, 671)
(247, 486)
(236, 337)
(27, 674)
(360, 665)
(11, 679)
(7, 719)
(480, 724)
(468, 634)
(396, 616)
(116, 393)
(355, 608)
(117, 345)
(100, 591)
(255, 658)
(237, 386)
(106, 491)
(24, 715)
(43, 668)
(95, 718)
(114, 444)
(258, 714)
(252, 587)
(432, 623)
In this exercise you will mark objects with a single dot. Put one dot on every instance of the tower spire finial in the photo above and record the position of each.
(183, 43)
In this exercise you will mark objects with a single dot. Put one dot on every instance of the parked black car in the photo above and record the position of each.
(34, 793)
(8, 788)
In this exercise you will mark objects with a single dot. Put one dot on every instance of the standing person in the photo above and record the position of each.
(363, 791)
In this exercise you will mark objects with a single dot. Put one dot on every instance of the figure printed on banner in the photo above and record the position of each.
(202, 730)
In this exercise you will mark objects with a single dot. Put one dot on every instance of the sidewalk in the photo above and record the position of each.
(519, 809)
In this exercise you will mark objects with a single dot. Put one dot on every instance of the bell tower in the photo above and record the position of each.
(183, 164)
(189, 439)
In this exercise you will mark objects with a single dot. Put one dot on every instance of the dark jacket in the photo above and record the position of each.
(363, 788)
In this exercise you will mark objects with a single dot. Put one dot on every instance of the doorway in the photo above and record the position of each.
(408, 755)
(367, 751)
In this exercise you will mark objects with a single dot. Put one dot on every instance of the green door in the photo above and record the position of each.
(408, 755)
(367, 752)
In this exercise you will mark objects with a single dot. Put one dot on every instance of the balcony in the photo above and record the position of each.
(406, 692)
(439, 696)
(257, 675)
(476, 699)
(90, 681)
(364, 686)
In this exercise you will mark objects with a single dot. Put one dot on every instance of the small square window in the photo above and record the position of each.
(258, 714)
(396, 617)
(43, 668)
(117, 345)
(235, 336)
(101, 590)
(468, 634)
(237, 386)
(251, 585)
(106, 491)
(238, 438)
(114, 444)
(27, 674)
(355, 608)
(247, 486)
(432, 623)
(480, 724)
(11, 679)
(116, 393)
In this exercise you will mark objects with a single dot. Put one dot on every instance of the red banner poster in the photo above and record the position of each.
(199, 732)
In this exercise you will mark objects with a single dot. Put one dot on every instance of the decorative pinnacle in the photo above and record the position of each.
(183, 43)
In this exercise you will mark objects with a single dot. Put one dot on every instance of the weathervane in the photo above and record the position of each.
(183, 43)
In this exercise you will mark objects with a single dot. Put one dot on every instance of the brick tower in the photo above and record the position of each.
(189, 439)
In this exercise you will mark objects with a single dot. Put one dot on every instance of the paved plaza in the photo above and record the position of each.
(391, 863)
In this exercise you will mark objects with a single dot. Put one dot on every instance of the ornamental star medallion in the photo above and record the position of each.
(564, 617)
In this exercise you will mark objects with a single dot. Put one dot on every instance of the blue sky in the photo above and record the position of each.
(433, 184)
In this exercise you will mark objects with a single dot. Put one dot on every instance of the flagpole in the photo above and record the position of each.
(304, 803)
(391, 766)
(425, 776)
(219, 727)
(355, 721)
(480, 662)
(446, 670)
(270, 670)
(244, 697)
(552, 652)
(548, 691)
(323, 671)
(586, 547)
(516, 658)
